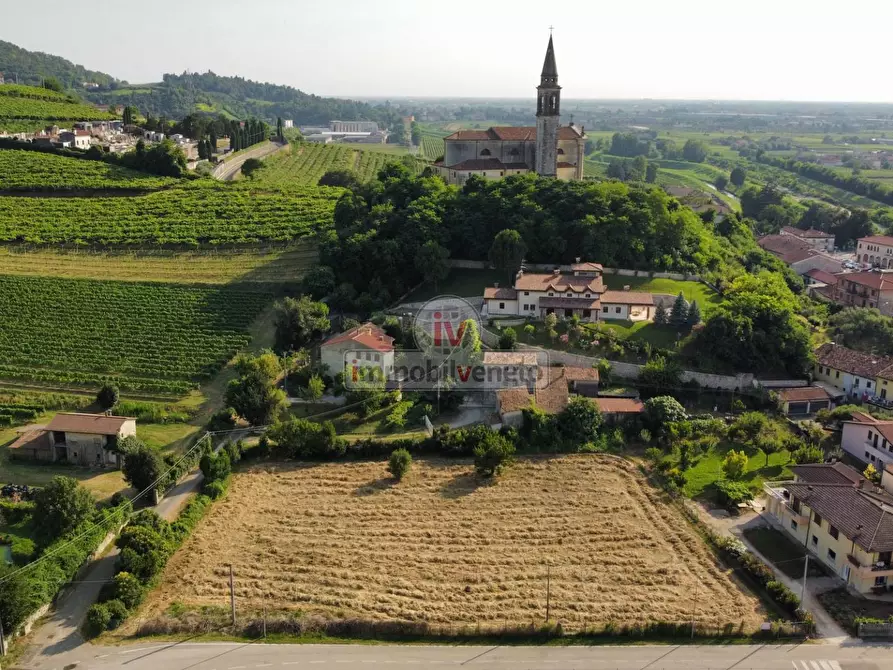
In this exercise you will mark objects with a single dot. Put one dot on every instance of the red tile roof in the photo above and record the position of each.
(877, 280)
(878, 239)
(501, 293)
(852, 361)
(788, 248)
(580, 374)
(803, 394)
(810, 234)
(563, 302)
(91, 424)
(587, 267)
(558, 282)
(827, 473)
(619, 405)
(551, 398)
(468, 135)
(627, 298)
(479, 164)
(510, 134)
(367, 335)
(822, 276)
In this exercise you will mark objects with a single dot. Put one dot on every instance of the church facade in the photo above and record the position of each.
(548, 149)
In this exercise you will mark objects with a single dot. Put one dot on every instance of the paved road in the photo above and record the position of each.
(232, 167)
(234, 656)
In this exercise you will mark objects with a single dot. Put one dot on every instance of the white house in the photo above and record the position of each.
(868, 439)
(876, 250)
(366, 345)
(577, 289)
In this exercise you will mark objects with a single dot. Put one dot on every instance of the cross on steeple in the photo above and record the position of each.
(551, 28)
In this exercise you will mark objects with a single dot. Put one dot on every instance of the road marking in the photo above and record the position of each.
(816, 665)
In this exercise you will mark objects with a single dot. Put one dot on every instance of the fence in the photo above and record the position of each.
(876, 630)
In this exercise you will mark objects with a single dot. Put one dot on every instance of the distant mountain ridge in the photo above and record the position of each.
(178, 95)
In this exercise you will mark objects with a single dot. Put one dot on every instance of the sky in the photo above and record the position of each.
(676, 49)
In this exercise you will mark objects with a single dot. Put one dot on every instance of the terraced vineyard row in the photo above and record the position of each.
(35, 171)
(50, 110)
(152, 338)
(306, 163)
(206, 213)
(432, 147)
(33, 92)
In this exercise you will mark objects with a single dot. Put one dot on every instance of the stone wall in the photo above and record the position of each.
(548, 267)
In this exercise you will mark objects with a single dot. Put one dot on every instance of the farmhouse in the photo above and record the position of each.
(548, 149)
(575, 290)
(817, 239)
(842, 519)
(853, 372)
(366, 345)
(800, 255)
(84, 439)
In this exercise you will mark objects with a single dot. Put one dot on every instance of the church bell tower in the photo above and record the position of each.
(548, 103)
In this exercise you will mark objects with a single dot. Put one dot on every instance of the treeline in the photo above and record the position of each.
(33, 67)
(390, 234)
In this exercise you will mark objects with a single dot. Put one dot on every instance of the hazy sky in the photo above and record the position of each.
(760, 49)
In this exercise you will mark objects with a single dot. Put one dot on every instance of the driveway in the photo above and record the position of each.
(230, 169)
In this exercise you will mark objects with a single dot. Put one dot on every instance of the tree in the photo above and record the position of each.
(651, 173)
(529, 331)
(694, 314)
(399, 463)
(251, 165)
(734, 465)
(550, 321)
(300, 322)
(431, 261)
(580, 421)
(508, 339)
(863, 328)
(694, 151)
(61, 506)
(319, 281)
(53, 84)
(280, 131)
(660, 314)
(96, 620)
(721, 182)
(589, 147)
(15, 598)
(216, 467)
(143, 467)
(342, 178)
(492, 454)
(737, 176)
(108, 396)
(679, 312)
(507, 252)
(314, 389)
(732, 493)
(255, 399)
(212, 143)
(808, 454)
(662, 410)
(871, 474)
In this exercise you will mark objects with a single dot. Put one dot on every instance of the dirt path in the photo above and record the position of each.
(230, 169)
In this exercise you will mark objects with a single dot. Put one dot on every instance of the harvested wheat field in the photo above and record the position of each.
(345, 540)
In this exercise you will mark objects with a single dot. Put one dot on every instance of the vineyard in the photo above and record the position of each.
(306, 163)
(432, 147)
(34, 93)
(35, 171)
(48, 110)
(156, 339)
(202, 213)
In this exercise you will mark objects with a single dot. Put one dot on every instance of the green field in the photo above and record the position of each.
(463, 283)
(35, 171)
(155, 339)
(708, 470)
(203, 213)
(305, 163)
(27, 102)
(707, 298)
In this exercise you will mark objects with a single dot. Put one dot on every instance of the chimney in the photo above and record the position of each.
(520, 274)
(496, 284)
(556, 271)
(578, 259)
(626, 287)
(861, 484)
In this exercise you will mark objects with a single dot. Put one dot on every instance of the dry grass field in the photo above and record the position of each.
(344, 540)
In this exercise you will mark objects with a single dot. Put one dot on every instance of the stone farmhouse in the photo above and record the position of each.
(575, 290)
(548, 149)
(366, 345)
(82, 439)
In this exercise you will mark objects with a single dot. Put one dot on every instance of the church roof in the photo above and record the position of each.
(549, 67)
(512, 134)
(479, 164)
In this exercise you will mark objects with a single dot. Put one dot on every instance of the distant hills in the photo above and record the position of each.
(178, 95)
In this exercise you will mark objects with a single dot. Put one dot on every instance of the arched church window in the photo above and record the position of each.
(561, 152)
(485, 152)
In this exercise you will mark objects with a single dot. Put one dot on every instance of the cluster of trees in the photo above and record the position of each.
(681, 315)
(630, 145)
(243, 134)
(255, 395)
(206, 149)
(637, 169)
(862, 328)
(35, 67)
(400, 217)
(646, 144)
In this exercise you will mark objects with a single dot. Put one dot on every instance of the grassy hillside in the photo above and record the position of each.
(32, 66)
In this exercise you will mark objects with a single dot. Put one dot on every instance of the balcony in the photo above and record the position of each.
(875, 570)
(778, 491)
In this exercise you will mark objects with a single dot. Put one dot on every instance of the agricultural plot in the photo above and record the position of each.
(306, 163)
(344, 540)
(203, 266)
(156, 339)
(35, 171)
(432, 147)
(49, 110)
(208, 213)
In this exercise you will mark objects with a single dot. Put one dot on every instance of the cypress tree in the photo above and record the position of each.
(212, 142)
(679, 313)
(660, 314)
(694, 313)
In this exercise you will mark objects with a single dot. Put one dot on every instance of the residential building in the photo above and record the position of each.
(582, 381)
(83, 439)
(288, 123)
(865, 289)
(318, 138)
(817, 239)
(853, 372)
(548, 149)
(616, 410)
(867, 439)
(804, 400)
(571, 290)
(798, 254)
(550, 394)
(352, 126)
(876, 250)
(366, 345)
(841, 519)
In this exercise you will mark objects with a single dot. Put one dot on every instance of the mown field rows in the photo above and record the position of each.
(154, 338)
(344, 540)
(206, 266)
(203, 214)
(35, 171)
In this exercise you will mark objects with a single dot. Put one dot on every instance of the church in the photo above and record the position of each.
(549, 149)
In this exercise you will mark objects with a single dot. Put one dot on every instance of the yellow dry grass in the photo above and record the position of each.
(343, 539)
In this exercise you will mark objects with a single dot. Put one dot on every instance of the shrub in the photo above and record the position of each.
(215, 467)
(223, 419)
(214, 490)
(492, 455)
(808, 454)
(263, 446)
(117, 614)
(143, 468)
(508, 339)
(60, 506)
(96, 621)
(234, 451)
(396, 420)
(731, 494)
(399, 463)
(108, 396)
(300, 438)
(734, 465)
(128, 590)
(143, 566)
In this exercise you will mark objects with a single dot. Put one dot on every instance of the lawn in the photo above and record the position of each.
(461, 282)
(708, 470)
(346, 541)
(782, 552)
(19, 537)
(166, 436)
(708, 299)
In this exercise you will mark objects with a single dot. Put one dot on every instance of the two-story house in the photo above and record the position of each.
(83, 439)
(798, 254)
(865, 289)
(842, 519)
(365, 346)
(868, 439)
(853, 372)
(816, 239)
(577, 289)
(876, 250)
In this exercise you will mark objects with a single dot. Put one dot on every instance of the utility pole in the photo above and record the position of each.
(803, 587)
(548, 591)
(2, 641)
(232, 594)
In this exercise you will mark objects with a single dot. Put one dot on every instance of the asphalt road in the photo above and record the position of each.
(234, 656)
(232, 167)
